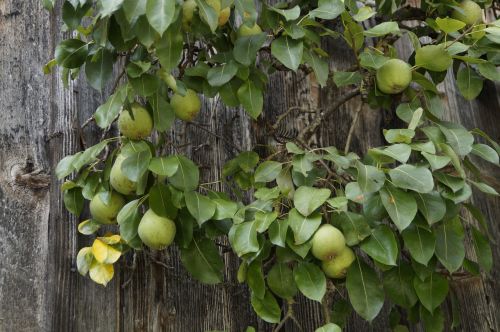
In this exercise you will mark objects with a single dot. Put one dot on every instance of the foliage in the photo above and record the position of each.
(399, 206)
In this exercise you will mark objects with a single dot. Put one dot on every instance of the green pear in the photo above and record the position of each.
(470, 12)
(156, 232)
(393, 76)
(337, 267)
(327, 242)
(244, 30)
(118, 180)
(186, 107)
(139, 127)
(106, 213)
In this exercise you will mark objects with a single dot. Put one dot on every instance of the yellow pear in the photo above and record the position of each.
(137, 128)
(337, 267)
(327, 242)
(106, 213)
(394, 76)
(186, 107)
(156, 232)
(118, 180)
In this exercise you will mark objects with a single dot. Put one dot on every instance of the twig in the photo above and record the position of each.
(289, 315)
(351, 129)
(215, 135)
(308, 131)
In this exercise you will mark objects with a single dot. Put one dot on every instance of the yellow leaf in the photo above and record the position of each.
(104, 253)
(84, 260)
(101, 273)
(111, 239)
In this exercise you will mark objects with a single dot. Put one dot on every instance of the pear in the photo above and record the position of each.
(137, 128)
(106, 213)
(186, 107)
(156, 232)
(393, 76)
(327, 242)
(337, 267)
(118, 180)
(470, 12)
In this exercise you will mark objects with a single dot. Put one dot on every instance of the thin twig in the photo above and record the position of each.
(215, 135)
(308, 131)
(351, 129)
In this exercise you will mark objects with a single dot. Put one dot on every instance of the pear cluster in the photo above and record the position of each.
(328, 245)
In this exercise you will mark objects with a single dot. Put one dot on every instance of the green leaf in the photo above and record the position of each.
(267, 171)
(485, 188)
(486, 152)
(383, 29)
(73, 200)
(49, 5)
(201, 207)
(364, 13)
(307, 199)
(370, 178)
(88, 227)
(449, 25)
(224, 209)
(288, 51)
(84, 260)
(160, 201)
(310, 280)
(399, 135)
(330, 327)
(354, 226)
(145, 32)
(281, 282)
(136, 164)
(187, 176)
(71, 53)
(432, 291)
(400, 205)
(107, 112)
(169, 48)
(489, 71)
(264, 220)
(365, 290)
(343, 78)
(164, 166)
(483, 250)
(319, 66)
(208, 14)
(398, 285)
(433, 322)
(327, 9)
(145, 85)
(435, 161)
(381, 245)
(203, 261)
(421, 243)
(411, 177)
(246, 47)
(251, 98)
(220, 75)
(433, 58)
(450, 248)
(289, 14)
(128, 218)
(255, 279)
(267, 308)
(469, 83)
(99, 68)
(108, 7)
(163, 113)
(303, 227)
(243, 238)
(277, 232)
(431, 206)
(453, 182)
(133, 9)
(160, 14)
(457, 137)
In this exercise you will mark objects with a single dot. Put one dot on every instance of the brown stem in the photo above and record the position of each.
(215, 135)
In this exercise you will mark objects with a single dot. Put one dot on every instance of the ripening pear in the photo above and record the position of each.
(118, 180)
(188, 8)
(137, 128)
(470, 12)
(156, 232)
(186, 107)
(244, 30)
(337, 267)
(327, 242)
(106, 213)
(223, 13)
(394, 76)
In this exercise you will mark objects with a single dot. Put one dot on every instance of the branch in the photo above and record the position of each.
(351, 129)
(308, 131)
(215, 135)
